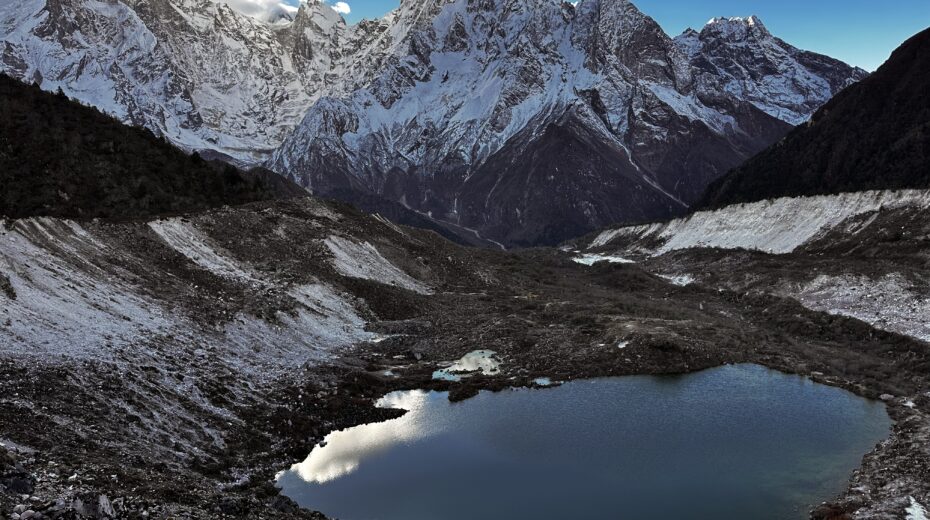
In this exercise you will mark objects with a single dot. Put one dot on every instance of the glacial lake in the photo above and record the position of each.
(732, 442)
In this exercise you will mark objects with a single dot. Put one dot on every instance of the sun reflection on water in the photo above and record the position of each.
(341, 452)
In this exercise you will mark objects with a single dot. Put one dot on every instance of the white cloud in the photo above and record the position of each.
(342, 7)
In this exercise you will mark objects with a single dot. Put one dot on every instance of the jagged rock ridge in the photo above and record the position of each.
(529, 121)
(532, 121)
(873, 135)
(195, 71)
(741, 56)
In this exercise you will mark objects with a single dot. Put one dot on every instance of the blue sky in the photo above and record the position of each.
(860, 32)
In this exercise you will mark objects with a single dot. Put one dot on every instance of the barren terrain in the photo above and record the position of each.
(170, 368)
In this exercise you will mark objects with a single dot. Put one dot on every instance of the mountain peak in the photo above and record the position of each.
(445, 104)
(871, 136)
(748, 21)
(736, 27)
(468, 103)
(740, 55)
(320, 13)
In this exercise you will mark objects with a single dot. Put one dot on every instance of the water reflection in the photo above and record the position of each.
(733, 442)
(341, 452)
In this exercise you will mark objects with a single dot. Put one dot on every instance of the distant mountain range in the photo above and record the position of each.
(195, 71)
(873, 135)
(527, 121)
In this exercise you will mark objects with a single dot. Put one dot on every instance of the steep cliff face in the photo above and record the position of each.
(532, 120)
(741, 57)
(194, 71)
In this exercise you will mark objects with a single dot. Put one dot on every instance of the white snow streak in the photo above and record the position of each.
(591, 259)
(66, 304)
(74, 300)
(323, 319)
(187, 240)
(362, 260)
(889, 303)
(779, 226)
(915, 511)
(681, 280)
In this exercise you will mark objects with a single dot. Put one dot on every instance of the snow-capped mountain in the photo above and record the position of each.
(529, 121)
(195, 71)
(533, 120)
(871, 136)
(740, 56)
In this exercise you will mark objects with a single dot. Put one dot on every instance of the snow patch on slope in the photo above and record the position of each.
(681, 280)
(66, 304)
(915, 511)
(362, 260)
(591, 259)
(75, 300)
(691, 107)
(778, 226)
(322, 320)
(190, 242)
(889, 303)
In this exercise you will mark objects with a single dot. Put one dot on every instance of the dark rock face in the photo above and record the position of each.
(873, 135)
(532, 122)
(541, 189)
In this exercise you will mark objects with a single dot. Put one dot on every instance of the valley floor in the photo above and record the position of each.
(169, 369)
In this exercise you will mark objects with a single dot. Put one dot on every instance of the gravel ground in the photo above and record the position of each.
(248, 341)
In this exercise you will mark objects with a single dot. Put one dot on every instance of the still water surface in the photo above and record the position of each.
(728, 443)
